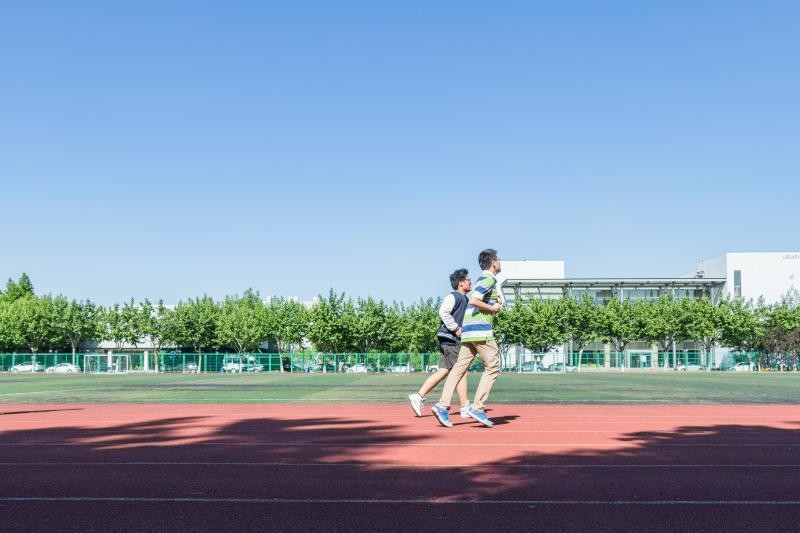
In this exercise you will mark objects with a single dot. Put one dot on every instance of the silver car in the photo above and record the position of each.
(27, 367)
(60, 368)
(691, 367)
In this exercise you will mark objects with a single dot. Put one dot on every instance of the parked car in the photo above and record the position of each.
(561, 367)
(360, 368)
(319, 368)
(63, 368)
(691, 367)
(188, 367)
(235, 363)
(399, 368)
(531, 366)
(743, 367)
(27, 367)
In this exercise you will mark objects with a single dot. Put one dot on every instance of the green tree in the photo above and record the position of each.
(782, 334)
(418, 326)
(743, 326)
(120, 325)
(661, 322)
(6, 340)
(16, 290)
(77, 322)
(331, 323)
(31, 323)
(371, 327)
(617, 324)
(703, 323)
(506, 332)
(581, 320)
(242, 322)
(194, 323)
(154, 324)
(541, 325)
(286, 325)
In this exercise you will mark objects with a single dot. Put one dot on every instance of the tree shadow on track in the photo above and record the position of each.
(354, 474)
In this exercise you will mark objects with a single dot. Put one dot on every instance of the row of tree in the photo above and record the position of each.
(338, 324)
(541, 325)
(239, 324)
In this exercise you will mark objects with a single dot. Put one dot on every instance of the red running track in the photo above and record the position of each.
(378, 468)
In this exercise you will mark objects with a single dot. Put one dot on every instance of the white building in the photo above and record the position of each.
(754, 275)
(749, 276)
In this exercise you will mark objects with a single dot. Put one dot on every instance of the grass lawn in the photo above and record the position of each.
(595, 387)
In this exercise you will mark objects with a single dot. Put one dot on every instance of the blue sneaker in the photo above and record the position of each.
(442, 415)
(480, 416)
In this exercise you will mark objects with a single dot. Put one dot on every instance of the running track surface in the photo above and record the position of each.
(378, 468)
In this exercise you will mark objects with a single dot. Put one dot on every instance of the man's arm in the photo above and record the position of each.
(446, 313)
(483, 289)
(486, 308)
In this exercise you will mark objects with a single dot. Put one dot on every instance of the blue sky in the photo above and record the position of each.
(172, 149)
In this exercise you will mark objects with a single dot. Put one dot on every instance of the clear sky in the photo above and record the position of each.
(171, 149)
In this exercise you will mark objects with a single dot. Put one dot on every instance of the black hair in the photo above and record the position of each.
(486, 258)
(457, 277)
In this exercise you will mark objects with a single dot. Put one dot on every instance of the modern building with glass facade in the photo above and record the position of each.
(750, 275)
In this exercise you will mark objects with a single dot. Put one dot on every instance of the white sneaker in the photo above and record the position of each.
(416, 403)
(465, 410)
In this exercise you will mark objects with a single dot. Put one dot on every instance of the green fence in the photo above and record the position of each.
(175, 361)
(226, 362)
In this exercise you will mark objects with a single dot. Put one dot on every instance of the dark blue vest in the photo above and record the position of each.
(445, 335)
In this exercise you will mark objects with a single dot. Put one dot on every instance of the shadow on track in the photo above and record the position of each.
(342, 474)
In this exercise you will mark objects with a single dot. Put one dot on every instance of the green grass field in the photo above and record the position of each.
(634, 388)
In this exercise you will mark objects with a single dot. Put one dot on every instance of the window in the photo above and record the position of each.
(737, 283)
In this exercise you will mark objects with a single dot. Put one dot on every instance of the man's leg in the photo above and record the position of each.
(433, 380)
(465, 357)
(490, 355)
(461, 389)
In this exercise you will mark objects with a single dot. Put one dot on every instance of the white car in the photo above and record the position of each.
(27, 367)
(399, 369)
(742, 367)
(63, 368)
(691, 367)
(561, 367)
(360, 368)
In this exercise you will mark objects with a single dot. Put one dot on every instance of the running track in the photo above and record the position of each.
(377, 468)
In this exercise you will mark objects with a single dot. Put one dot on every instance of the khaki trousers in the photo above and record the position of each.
(490, 355)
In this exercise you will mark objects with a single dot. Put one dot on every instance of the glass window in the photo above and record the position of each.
(737, 283)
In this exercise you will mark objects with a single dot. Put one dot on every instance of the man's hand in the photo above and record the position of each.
(496, 307)
(458, 332)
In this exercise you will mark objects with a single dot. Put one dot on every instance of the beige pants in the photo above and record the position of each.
(490, 355)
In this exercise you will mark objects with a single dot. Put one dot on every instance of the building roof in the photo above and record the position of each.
(616, 282)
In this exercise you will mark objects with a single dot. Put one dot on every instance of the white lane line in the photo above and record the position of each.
(580, 445)
(428, 501)
(394, 465)
(414, 432)
(120, 386)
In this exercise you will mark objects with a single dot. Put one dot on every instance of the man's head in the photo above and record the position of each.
(460, 281)
(488, 260)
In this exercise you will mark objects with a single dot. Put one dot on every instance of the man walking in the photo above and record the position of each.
(451, 314)
(477, 339)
